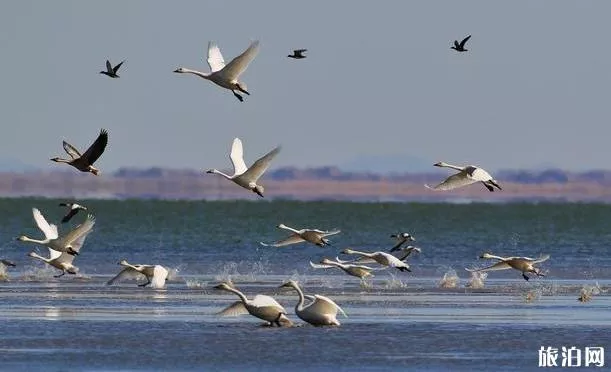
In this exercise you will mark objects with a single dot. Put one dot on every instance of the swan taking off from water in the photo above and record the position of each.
(313, 236)
(70, 243)
(465, 176)
(243, 176)
(402, 254)
(84, 162)
(320, 311)
(226, 76)
(73, 209)
(522, 264)
(383, 258)
(401, 238)
(262, 306)
(112, 71)
(156, 275)
(360, 271)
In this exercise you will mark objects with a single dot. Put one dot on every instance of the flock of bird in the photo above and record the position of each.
(313, 309)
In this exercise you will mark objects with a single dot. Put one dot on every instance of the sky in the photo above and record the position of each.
(380, 90)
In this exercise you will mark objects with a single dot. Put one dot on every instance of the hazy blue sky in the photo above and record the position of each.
(380, 81)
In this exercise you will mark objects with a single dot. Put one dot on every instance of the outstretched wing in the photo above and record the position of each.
(464, 41)
(126, 273)
(501, 265)
(108, 66)
(293, 239)
(215, 58)
(328, 233)
(320, 266)
(76, 237)
(235, 309)
(160, 274)
(97, 148)
(117, 67)
(49, 230)
(239, 64)
(71, 213)
(260, 166)
(541, 259)
(237, 157)
(299, 51)
(71, 150)
(455, 181)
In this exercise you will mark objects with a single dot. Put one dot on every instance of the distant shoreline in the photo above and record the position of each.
(293, 184)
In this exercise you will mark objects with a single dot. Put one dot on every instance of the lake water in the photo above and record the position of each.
(397, 321)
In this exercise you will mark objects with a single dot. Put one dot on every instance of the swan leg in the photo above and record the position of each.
(525, 277)
(404, 269)
(145, 284)
(490, 188)
(238, 96)
(60, 275)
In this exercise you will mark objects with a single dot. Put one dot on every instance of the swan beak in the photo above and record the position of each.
(177, 70)
(209, 171)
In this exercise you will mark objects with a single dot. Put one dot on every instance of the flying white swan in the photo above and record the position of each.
(313, 236)
(402, 254)
(401, 238)
(243, 176)
(465, 176)
(156, 275)
(262, 306)
(226, 76)
(70, 243)
(63, 260)
(383, 258)
(522, 264)
(360, 271)
(320, 311)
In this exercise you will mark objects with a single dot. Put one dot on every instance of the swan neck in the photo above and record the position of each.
(216, 171)
(301, 298)
(240, 294)
(452, 166)
(289, 229)
(26, 239)
(198, 73)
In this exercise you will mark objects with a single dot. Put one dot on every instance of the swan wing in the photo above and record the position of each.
(126, 273)
(117, 67)
(69, 215)
(160, 274)
(464, 41)
(265, 301)
(215, 58)
(108, 66)
(327, 233)
(320, 266)
(502, 265)
(239, 64)
(260, 166)
(453, 182)
(97, 147)
(71, 150)
(76, 237)
(479, 174)
(235, 309)
(541, 259)
(49, 230)
(293, 239)
(324, 305)
(237, 157)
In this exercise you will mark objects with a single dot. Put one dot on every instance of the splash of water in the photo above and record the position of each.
(532, 295)
(588, 291)
(3, 273)
(449, 280)
(394, 283)
(477, 280)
